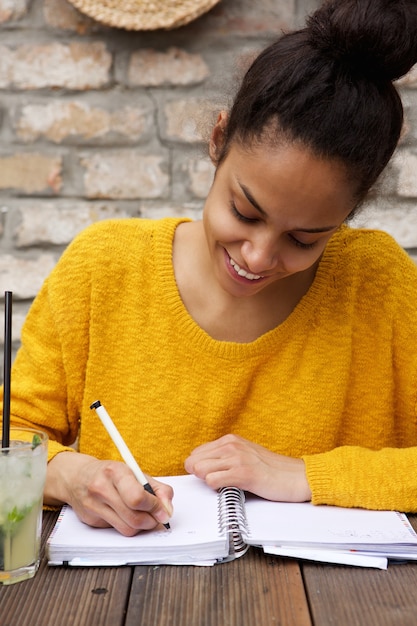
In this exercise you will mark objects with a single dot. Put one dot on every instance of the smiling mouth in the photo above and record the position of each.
(242, 272)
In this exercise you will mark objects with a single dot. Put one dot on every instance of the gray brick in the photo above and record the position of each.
(12, 9)
(125, 174)
(406, 162)
(173, 67)
(24, 277)
(57, 224)
(186, 119)
(75, 120)
(399, 220)
(78, 65)
(31, 172)
(201, 172)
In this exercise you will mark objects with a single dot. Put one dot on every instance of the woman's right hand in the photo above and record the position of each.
(106, 493)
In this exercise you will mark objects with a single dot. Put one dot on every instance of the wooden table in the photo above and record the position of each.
(256, 590)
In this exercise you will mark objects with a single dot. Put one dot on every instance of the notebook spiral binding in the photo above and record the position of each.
(232, 519)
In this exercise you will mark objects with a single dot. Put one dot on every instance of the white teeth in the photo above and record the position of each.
(242, 272)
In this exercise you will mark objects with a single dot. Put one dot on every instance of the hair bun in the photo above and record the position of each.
(373, 38)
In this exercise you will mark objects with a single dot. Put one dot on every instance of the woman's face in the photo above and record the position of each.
(270, 213)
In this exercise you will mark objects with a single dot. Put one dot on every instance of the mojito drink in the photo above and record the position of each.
(22, 479)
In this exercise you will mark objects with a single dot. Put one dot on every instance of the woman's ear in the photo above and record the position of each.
(217, 137)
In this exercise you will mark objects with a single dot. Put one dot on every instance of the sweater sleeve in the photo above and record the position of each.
(38, 381)
(48, 371)
(366, 475)
(353, 476)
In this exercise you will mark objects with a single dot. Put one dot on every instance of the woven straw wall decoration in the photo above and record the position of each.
(143, 14)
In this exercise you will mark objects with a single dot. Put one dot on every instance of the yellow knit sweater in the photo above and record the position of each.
(336, 383)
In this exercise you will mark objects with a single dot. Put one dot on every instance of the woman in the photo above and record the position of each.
(268, 346)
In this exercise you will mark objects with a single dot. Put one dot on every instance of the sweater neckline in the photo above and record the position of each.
(191, 331)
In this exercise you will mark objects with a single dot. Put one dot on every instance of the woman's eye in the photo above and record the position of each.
(301, 244)
(239, 215)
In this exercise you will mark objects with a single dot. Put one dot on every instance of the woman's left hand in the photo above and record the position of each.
(232, 461)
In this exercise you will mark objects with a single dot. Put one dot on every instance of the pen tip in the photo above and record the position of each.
(95, 404)
(167, 526)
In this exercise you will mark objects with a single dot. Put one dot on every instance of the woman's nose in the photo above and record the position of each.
(260, 255)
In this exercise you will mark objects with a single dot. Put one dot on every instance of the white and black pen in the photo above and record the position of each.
(120, 444)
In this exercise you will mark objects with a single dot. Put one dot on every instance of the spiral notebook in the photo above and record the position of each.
(210, 527)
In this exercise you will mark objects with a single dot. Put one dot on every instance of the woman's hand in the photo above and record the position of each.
(106, 493)
(232, 461)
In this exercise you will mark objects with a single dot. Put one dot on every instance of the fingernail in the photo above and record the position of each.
(168, 507)
(162, 517)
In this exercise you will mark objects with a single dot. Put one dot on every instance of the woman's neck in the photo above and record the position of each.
(221, 315)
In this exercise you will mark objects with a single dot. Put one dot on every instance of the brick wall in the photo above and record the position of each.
(98, 122)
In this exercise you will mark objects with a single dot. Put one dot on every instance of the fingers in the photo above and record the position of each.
(136, 498)
(126, 505)
(215, 446)
(216, 455)
(228, 461)
(235, 462)
(106, 493)
(101, 515)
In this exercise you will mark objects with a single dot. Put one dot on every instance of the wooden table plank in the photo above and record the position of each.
(66, 596)
(255, 589)
(341, 595)
(355, 596)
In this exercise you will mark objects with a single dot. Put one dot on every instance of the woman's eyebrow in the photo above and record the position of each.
(256, 205)
(251, 199)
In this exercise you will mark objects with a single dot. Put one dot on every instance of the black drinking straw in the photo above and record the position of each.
(5, 442)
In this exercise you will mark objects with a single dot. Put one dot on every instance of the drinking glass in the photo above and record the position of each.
(22, 479)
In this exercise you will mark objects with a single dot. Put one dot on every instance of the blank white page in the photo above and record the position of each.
(301, 524)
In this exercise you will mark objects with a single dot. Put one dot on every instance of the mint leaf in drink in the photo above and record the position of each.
(36, 441)
(15, 516)
(12, 519)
